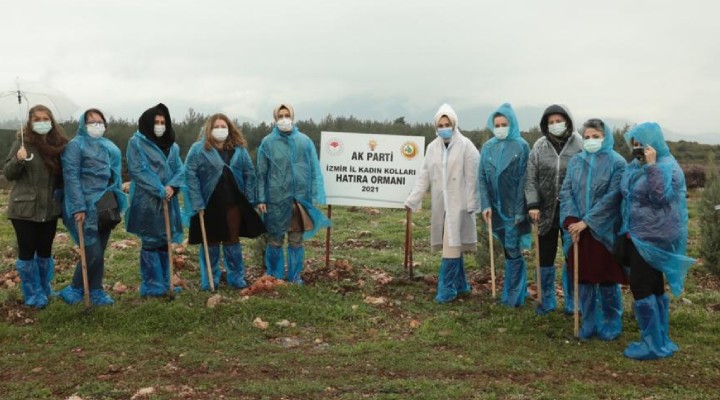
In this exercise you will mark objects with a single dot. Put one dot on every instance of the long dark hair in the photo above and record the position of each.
(51, 145)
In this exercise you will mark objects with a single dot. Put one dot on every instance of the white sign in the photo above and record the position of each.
(370, 170)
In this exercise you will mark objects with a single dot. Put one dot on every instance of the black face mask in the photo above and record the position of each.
(639, 153)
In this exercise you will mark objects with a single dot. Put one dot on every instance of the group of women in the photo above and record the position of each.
(628, 221)
(80, 180)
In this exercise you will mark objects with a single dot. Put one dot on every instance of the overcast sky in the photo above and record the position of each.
(632, 60)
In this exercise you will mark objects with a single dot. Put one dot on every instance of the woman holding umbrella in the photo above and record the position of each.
(35, 202)
(221, 192)
(157, 173)
(93, 200)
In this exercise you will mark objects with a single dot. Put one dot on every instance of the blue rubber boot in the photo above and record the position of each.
(214, 252)
(587, 295)
(568, 292)
(547, 286)
(663, 303)
(98, 297)
(165, 272)
(612, 311)
(30, 284)
(71, 295)
(275, 262)
(447, 280)
(235, 265)
(462, 284)
(652, 343)
(515, 283)
(296, 262)
(151, 277)
(46, 270)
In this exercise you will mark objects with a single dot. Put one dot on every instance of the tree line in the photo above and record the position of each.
(691, 155)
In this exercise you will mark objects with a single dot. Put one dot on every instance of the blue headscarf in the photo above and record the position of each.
(655, 208)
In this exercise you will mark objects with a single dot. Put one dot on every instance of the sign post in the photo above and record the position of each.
(370, 170)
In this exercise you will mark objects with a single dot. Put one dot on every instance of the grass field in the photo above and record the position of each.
(337, 345)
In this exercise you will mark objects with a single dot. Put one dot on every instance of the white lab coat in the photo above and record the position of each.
(451, 173)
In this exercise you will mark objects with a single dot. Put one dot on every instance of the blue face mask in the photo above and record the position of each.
(445, 133)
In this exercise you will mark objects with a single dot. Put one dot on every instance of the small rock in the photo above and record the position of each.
(414, 324)
(375, 300)
(363, 234)
(119, 288)
(260, 324)
(74, 397)
(354, 307)
(686, 301)
(502, 330)
(283, 324)
(143, 392)
(114, 369)
(37, 369)
(213, 301)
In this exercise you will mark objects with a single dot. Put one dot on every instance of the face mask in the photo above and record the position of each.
(284, 124)
(159, 130)
(42, 127)
(501, 132)
(639, 153)
(219, 134)
(95, 130)
(592, 145)
(557, 129)
(445, 133)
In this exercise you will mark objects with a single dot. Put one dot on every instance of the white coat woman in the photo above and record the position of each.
(450, 171)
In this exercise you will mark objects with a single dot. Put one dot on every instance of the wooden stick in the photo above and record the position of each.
(211, 279)
(538, 274)
(492, 258)
(83, 264)
(408, 219)
(576, 313)
(327, 238)
(168, 233)
(407, 240)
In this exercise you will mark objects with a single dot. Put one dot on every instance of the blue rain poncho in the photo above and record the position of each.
(204, 169)
(91, 167)
(150, 171)
(502, 184)
(591, 191)
(288, 169)
(654, 208)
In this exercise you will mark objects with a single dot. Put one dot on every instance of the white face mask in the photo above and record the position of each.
(557, 129)
(592, 145)
(284, 124)
(159, 130)
(95, 129)
(219, 134)
(42, 127)
(501, 132)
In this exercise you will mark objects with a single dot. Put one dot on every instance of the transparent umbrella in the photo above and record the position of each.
(16, 102)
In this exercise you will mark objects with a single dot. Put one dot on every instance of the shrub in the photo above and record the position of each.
(710, 227)
(694, 176)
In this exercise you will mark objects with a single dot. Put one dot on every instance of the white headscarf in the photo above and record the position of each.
(446, 111)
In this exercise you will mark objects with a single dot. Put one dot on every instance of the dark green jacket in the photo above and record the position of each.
(31, 197)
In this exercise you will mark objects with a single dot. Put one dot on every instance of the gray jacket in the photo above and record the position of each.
(31, 197)
(545, 173)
